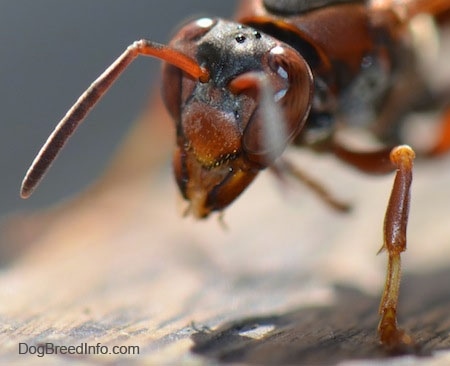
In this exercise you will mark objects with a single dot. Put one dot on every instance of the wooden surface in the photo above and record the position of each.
(287, 281)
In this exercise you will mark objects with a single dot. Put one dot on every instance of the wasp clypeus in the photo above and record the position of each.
(287, 72)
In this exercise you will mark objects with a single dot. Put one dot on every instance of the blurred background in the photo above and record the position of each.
(50, 52)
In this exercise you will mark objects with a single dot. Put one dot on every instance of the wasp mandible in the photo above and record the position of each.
(287, 73)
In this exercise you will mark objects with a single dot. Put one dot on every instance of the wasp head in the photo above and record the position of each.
(239, 121)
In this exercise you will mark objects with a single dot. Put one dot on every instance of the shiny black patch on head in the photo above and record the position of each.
(230, 49)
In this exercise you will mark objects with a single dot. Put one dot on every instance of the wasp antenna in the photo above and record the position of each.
(93, 94)
(274, 131)
(172, 56)
(269, 133)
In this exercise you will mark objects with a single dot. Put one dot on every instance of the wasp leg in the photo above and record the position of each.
(442, 144)
(369, 162)
(284, 166)
(395, 224)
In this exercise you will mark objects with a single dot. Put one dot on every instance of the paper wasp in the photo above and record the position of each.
(287, 73)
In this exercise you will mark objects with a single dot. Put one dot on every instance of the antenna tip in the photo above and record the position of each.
(25, 190)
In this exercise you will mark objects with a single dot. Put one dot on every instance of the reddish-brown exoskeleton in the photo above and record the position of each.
(284, 73)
